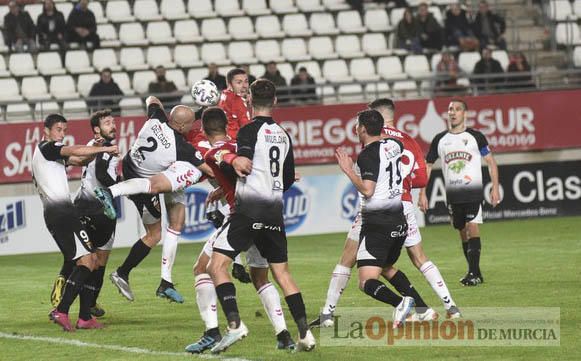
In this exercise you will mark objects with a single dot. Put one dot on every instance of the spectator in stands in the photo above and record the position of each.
(163, 86)
(430, 29)
(489, 27)
(19, 30)
(408, 33)
(303, 86)
(51, 27)
(519, 64)
(273, 74)
(487, 65)
(447, 74)
(246, 68)
(215, 77)
(459, 32)
(82, 26)
(103, 88)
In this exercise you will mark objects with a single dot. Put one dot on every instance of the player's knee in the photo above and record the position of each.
(152, 237)
(200, 268)
(389, 272)
(259, 277)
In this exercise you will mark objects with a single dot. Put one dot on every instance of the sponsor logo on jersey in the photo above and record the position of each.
(296, 207)
(11, 219)
(197, 225)
(458, 155)
(350, 203)
(268, 227)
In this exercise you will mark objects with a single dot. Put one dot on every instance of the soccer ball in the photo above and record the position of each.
(205, 93)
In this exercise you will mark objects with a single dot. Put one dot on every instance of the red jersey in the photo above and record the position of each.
(197, 138)
(413, 163)
(236, 111)
(227, 181)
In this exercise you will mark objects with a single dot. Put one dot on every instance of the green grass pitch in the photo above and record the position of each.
(524, 262)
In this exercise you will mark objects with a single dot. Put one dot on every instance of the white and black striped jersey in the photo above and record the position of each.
(158, 146)
(380, 162)
(49, 174)
(259, 195)
(461, 163)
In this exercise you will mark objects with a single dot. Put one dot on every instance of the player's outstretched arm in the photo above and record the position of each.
(79, 155)
(493, 170)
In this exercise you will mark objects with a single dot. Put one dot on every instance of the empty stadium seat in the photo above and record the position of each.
(321, 48)
(141, 80)
(21, 65)
(159, 32)
(257, 69)
(159, 55)
(268, 50)
(296, 25)
(77, 62)
(132, 34)
(467, 60)
(309, 6)
(241, 52)
(417, 66)
(187, 56)
(196, 74)
(348, 46)
(33, 10)
(119, 11)
(363, 70)
(577, 56)
(295, 50)
(173, 9)
(132, 106)
(3, 11)
(268, 26)
(435, 60)
(228, 8)
(105, 58)
(336, 71)
(214, 53)
(65, 8)
(201, 9)
(215, 30)
(132, 59)
(177, 76)
(377, 20)
(350, 22)
(75, 109)
(3, 47)
(108, 35)
(63, 87)
(560, 10)
(42, 109)
(85, 83)
(97, 9)
(502, 57)
(375, 44)
(350, 92)
(378, 90)
(186, 31)
(283, 7)
(146, 10)
(286, 70)
(405, 88)
(323, 24)
(122, 79)
(567, 34)
(395, 16)
(390, 68)
(34, 88)
(3, 69)
(255, 7)
(50, 63)
(9, 90)
(335, 5)
(241, 28)
(18, 112)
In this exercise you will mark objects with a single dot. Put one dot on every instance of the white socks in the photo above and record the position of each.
(206, 299)
(339, 279)
(271, 300)
(168, 252)
(432, 274)
(129, 187)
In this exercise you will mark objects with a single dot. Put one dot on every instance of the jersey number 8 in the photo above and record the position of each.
(274, 154)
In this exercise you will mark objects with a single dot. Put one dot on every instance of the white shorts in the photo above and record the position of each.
(182, 175)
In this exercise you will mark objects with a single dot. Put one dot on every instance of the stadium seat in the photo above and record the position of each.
(255, 7)
(374, 44)
(65, 8)
(296, 25)
(97, 9)
(19, 112)
(395, 16)
(467, 60)
(63, 87)
(377, 20)
(295, 50)
(34, 88)
(348, 46)
(187, 99)
(132, 59)
(309, 6)
(435, 60)
(196, 74)
(85, 83)
(159, 55)
(444, 2)
(268, 50)
(336, 71)
(437, 14)
(313, 69)
(215, 30)
(3, 69)
(321, 48)
(390, 68)
(214, 53)
(323, 24)
(173, 9)
(50, 63)
(577, 56)
(577, 7)
(567, 34)
(286, 70)
(122, 79)
(350, 93)
(560, 10)
(363, 70)
(21, 65)
(327, 94)
(3, 11)
(201, 9)
(405, 88)
(146, 10)
(105, 58)
(108, 35)
(34, 10)
(42, 109)
(186, 31)
(141, 80)
(187, 56)
(268, 26)
(336, 5)
(9, 90)
(77, 62)
(349, 22)
(119, 11)
(283, 7)
(75, 109)
(228, 8)
(241, 52)
(159, 32)
(177, 76)
(132, 106)
(502, 57)
(241, 28)
(132, 34)
(3, 47)
(417, 66)
(377, 90)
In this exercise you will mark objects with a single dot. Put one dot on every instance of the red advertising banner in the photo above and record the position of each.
(512, 122)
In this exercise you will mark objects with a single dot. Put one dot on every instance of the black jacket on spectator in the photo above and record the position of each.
(82, 19)
(100, 89)
(303, 90)
(279, 81)
(496, 23)
(219, 80)
(457, 25)
(11, 22)
(430, 32)
(43, 23)
(523, 81)
(491, 66)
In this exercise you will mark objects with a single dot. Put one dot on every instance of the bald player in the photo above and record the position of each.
(160, 161)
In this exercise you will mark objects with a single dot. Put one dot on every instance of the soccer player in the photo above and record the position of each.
(383, 223)
(233, 101)
(49, 163)
(214, 125)
(461, 150)
(162, 153)
(265, 163)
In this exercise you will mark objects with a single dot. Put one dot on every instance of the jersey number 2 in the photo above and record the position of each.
(274, 154)
(151, 148)
(389, 169)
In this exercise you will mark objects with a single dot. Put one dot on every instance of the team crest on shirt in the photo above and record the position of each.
(220, 155)
(198, 155)
(465, 141)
